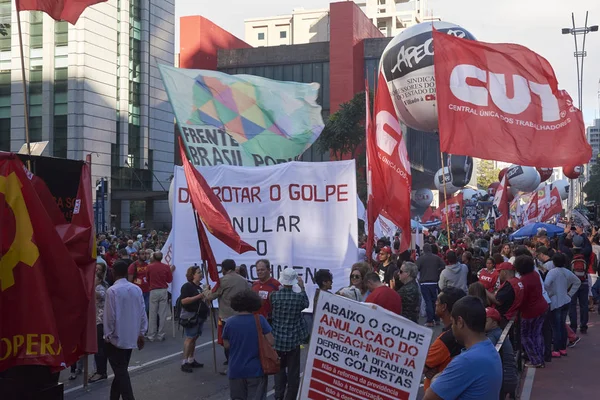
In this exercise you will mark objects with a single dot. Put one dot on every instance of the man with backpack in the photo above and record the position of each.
(579, 266)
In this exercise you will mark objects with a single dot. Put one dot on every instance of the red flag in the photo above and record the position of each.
(427, 215)
(34, 259)
(452, 207)
(389, 174)
(469, 226)
(65, 10)
(550, 204)
(500, 206)
(531, 211)
(211, 213)
(502, 102)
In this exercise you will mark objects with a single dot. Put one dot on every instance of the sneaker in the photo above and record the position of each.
(196, 364)
(186, 368)
(556, 354)
(224, 372)
(574, 342)
(73, 376)
(563, 353)
(583, 330)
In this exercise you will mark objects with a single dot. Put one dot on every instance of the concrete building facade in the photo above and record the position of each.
(309, 26)
(94, 88)
(593, 136)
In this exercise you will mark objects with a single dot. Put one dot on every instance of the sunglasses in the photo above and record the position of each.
(355, 277)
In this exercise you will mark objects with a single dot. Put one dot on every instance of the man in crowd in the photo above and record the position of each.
(386, 267)
(445, 347)
(130, 249)
(290, 331)
(230, 284)
(579, 264)
(125, 323)
(264, 286)
(477, 372)
(455, 274)
(509, 296)
(382, 295)
(159, 276)
(324, 281)
(138, 275)
(543, 256)
(430, 266)
(111, 255)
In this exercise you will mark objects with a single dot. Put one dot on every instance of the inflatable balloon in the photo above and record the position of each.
(461, 169)
(171, 194)
(573, 172)
(482, 193)
(513, 191)
(438, 181)
(525, 179)
(563, 188)
(470, 194)
(423, 197)
(501, 174)
(407, 65)
(492, 188)
(545, 173)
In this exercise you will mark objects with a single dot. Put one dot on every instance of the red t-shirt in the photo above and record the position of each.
(488, 279)
(533, 304)
(141, 276)
(159, 275)
(387, 298)
(264, 290)
(110, 259)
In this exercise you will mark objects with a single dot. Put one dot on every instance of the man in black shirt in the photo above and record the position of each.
(386, 268)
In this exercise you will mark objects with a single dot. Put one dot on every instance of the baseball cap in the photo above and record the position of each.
(577, 241)
(386, 249)
(505, 266)
(493, 314)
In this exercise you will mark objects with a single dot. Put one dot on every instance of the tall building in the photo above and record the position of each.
(593, 137)
(309, 26)
(94, 88)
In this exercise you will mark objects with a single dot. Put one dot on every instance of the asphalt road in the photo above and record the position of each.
(156, 375)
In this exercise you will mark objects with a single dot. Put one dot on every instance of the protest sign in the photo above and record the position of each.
(297, 215)
(362, 351)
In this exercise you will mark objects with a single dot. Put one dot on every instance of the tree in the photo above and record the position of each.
(592, 187)
(486, 174)
(344, 137)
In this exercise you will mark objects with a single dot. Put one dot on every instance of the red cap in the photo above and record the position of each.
(505, 266)
(386, 249)
(493, 314)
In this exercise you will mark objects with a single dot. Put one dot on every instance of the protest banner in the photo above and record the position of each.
(361, 351)
(297, 215)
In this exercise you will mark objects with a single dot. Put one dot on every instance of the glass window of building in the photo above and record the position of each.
(5, 35)
(261, 36)
(61, 86)
(283, 34)
(5, 110)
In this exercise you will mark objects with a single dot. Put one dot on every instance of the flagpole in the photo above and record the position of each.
(445, 198)
(25, 105)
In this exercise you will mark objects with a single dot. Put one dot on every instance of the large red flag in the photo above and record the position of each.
(549, 203)
(389, 175)
(502, 102)
(65, 10)
(43, 295)
(531, 212)
(500, 210)
(211, 213)
(452, 207)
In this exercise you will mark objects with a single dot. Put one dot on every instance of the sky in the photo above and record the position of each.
(535, 24)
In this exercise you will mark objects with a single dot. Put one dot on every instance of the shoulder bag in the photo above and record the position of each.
(269, 359)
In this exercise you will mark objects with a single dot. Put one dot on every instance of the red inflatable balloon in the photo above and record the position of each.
(573, 172)
(492, 188)
(545, 173)
(501, 174)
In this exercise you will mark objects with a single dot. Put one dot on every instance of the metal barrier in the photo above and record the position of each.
(515, 323)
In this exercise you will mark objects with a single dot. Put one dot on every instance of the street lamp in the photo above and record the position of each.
(579, 57)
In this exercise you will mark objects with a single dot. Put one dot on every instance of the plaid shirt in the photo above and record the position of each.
(289, 328)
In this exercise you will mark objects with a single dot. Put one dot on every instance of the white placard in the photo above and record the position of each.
(362, 351)
(299, 215)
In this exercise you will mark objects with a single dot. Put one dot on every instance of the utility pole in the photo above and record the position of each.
(580, 55)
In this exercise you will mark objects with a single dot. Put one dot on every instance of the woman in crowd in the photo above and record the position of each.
(357, 290)
(560, 284)
(478, 290)
(409, 290)
(247, 380)
(533, 311)
(488, 276)
(100, 357)
(192, 304)
(506, 252)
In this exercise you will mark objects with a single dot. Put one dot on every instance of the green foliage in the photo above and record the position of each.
(486, 174)
(344, 135)
(592, 187)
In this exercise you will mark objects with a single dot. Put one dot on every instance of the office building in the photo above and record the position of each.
(310, 26)
(94, 88)
(593, 137)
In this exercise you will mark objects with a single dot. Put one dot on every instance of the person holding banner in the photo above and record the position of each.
(192, 302)
(476, 373)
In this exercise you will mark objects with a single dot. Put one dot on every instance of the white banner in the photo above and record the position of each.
(362, 351)
(299, 215)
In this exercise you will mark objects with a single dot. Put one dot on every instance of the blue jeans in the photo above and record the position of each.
(147, 302)
(582, 297)
(559, 327)
(430, 293)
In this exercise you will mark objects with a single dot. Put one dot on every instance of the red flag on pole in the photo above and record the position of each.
(389, 175)
(211, 213)
(65, 10)
(549, 203)
(502, 102)
(452, 207)
(500, 206)
(531, 212)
